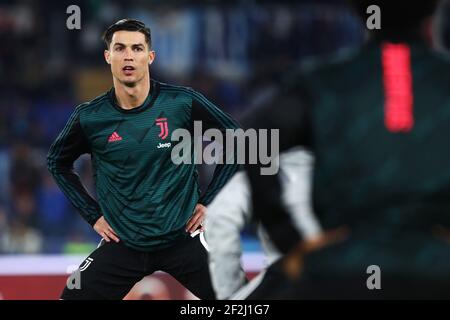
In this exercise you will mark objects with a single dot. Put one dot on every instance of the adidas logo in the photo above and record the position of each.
(114, 137)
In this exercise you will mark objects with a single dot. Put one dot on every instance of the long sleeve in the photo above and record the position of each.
(286, 113)
(70, 144)
(212, 117)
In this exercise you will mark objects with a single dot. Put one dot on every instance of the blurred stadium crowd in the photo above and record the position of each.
(234, 54)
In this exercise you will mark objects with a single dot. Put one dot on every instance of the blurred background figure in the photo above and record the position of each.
(231, 211)
(377, 120)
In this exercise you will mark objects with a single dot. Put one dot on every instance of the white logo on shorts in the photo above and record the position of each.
(86, 264)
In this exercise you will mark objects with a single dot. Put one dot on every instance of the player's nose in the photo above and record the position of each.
(128, 55)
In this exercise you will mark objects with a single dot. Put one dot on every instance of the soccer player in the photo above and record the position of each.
(148, 207)
(231, 210)
(377, 120)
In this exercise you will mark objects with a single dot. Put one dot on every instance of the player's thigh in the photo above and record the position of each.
(188, 263)
(108, 273)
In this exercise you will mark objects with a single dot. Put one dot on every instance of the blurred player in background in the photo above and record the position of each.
(377, 120)
(147, 206)
(231, 211)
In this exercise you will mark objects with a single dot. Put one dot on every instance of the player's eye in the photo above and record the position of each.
(118, 48)
(138, 49)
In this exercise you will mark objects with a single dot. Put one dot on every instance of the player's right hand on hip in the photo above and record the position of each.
(105, 231)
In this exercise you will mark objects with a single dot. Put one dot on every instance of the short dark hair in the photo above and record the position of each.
(127, 25)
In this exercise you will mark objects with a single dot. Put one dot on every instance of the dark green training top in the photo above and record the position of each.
(144, 196)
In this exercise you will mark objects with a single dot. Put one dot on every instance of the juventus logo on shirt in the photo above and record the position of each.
(162, 123)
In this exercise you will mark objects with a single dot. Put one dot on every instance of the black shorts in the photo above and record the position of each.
(113, 269)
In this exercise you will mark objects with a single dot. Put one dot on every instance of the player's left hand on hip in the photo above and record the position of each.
(197, 219)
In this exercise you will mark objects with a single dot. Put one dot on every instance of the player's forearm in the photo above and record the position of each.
(70, 184)
(213, 117)
(70, 144)
(222, 174)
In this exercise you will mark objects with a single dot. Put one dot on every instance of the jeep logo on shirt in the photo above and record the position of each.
(163, 145)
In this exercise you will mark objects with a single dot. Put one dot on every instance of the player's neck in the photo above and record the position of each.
(131, 97)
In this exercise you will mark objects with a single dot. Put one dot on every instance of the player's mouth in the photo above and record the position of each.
(128, 70)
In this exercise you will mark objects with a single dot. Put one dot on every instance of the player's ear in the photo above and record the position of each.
(107, 57)
(151, 56)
